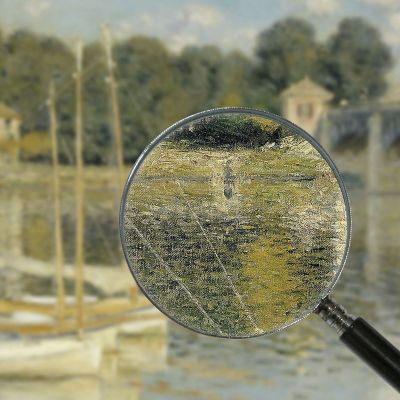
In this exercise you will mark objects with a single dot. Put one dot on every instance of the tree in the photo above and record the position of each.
(285, 53)
(234, 79)
(156, 87)
(96, 110)
(356, 61)
(31, 62)
(149, 90)
(198, 70)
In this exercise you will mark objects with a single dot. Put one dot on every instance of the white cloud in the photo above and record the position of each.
(394, 20)
(175, 40)
(392, 32)
(322, 7)
(243, 38)
(35, 8)
(147, 19)
(202, 14)
(248, 33)
(178, 41)
(188, 26)
(123, 30)
(390, 4)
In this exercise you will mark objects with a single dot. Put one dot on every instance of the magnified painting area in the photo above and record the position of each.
(235, 226)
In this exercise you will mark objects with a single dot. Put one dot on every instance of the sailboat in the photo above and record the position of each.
(67, 335)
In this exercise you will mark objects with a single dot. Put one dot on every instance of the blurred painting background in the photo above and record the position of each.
(84, 86)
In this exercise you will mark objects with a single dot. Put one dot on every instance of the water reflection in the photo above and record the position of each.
(235, 238)
(305, 362)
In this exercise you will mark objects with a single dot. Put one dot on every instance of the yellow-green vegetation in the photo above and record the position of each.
(238, 240)
(268, 299)
(35, 145)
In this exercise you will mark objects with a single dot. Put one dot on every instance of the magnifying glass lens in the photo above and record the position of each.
(235, 223)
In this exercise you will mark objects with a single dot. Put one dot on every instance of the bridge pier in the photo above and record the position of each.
(374, 197)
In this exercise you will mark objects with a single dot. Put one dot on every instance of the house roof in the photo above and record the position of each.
(307, 87)
(7, 112)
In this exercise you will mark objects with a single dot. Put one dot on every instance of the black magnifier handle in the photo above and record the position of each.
(363, 340)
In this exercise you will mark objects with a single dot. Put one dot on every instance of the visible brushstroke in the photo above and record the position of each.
(229, 180)
(176, 278)
(247, 214)
(228, 278)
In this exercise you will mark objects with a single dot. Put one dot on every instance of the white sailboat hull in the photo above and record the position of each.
(153, 322)
(49, 358)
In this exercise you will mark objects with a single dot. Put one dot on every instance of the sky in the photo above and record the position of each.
(226, 23)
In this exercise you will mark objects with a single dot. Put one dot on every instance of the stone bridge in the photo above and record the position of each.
(364, 142)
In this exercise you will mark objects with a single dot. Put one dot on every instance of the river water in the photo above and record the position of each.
(306, 361)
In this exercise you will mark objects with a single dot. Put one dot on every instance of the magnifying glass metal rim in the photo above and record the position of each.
(251, 112)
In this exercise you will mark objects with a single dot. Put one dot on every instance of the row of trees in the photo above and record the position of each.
(157, 87)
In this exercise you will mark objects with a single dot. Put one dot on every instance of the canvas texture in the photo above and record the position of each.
(235, 225)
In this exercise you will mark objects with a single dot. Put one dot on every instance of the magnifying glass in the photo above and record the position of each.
(235, 223)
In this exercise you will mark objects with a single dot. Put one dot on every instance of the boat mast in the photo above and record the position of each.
(114, 106)
(112, 84)
(79, 194)
(59, 250)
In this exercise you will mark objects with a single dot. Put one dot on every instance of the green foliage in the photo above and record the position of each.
(31, 61)
(356, 61)
(35, 146)
(285, 53)
(228, 132)
(150, 97)
(352, 63)
(157, 87)
(96, 111)
(199, 70)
